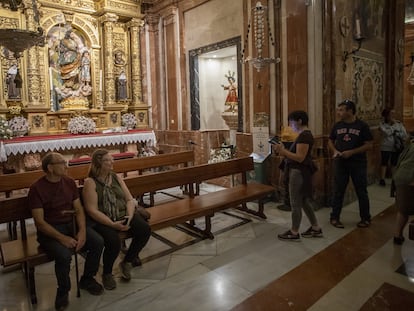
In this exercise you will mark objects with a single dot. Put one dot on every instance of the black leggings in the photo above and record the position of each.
(140, 231)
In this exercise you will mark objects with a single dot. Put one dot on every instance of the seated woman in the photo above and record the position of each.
(111, 206)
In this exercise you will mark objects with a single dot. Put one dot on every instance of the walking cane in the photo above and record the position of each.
(73, 213)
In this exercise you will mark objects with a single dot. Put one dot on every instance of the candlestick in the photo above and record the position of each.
(357, 29)
(100, 80)
(51, 78)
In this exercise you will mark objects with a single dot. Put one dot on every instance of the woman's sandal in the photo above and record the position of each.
(337, 224)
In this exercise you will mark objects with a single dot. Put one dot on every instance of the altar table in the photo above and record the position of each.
(33, 144)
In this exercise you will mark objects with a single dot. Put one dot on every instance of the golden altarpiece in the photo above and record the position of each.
(89, 65)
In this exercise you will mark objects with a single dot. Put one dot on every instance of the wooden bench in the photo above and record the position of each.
(204, 205)
(24, 249)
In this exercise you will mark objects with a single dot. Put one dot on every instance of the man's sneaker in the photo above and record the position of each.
(289, 236)
(125, 268)
(61, 301)
(108, 281)
(312, 233)
(363, 224)
(90, 284)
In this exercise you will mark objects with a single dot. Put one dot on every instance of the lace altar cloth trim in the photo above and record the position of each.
(31, 144)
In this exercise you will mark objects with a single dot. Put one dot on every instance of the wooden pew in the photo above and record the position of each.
(187, 209)
(24, 249)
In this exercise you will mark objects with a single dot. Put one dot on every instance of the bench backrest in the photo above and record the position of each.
(175, 158)
(17, 181)
(189, 175)
(14, 209)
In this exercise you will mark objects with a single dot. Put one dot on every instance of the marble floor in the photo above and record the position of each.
(247, 268)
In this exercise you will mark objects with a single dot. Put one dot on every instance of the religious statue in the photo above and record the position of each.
(121, 83)
(13, 82)
(231, 99)
(85, 72)
(69, 58)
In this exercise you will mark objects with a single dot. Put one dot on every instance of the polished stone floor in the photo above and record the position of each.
(247, 268)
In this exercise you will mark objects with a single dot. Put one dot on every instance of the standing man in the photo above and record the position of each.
(349, 140)
(49, 197)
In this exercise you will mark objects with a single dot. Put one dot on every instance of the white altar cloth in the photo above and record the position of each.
(66, 142)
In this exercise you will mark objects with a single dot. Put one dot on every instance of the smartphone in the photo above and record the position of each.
(125, 222)
(274, 140)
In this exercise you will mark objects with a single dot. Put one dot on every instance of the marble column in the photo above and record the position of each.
(134, 27)
(108, 21)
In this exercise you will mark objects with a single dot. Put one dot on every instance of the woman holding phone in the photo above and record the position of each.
(111, 208)
(299, 167)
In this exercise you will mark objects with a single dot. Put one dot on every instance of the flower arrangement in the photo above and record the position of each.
(129, 120)
(221, 154)
(5, 131)
(81, 125)
(19, 125)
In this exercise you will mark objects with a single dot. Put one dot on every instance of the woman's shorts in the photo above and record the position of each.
(404, 199)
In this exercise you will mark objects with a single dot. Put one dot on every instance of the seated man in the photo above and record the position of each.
(49, 197)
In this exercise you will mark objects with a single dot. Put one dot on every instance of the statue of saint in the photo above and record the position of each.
(13, 82)
(231, 99)
(71, 62)
(121, 83)
(85, 72)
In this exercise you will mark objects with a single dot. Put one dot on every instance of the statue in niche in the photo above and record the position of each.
(13, 82)
(121, 84)
(69, 57)
(231, 99)
(85, 72)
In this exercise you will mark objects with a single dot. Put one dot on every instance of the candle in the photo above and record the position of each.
(357, 29)
(51, 78)
(100, 80)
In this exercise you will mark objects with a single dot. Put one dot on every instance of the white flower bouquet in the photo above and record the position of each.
(81, 125)
(19, 125)
(220, 155)
(129, 120)
(5, 131)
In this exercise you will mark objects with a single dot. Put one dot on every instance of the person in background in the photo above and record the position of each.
(112, 209)
(349, 140)
(49, 197)
(392, 131)
(404, 191)
(300, 168)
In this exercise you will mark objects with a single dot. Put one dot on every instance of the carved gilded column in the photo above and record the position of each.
(108, 21)
(33, 73)
(134, 27)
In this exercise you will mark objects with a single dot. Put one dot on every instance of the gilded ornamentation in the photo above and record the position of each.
(367, 88)
(7, 22)
(37, 121)
(104, 36)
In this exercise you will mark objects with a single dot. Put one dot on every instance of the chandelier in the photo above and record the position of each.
(259, 14)
(17, 40)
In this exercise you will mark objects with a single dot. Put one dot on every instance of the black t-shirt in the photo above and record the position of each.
(305, 137)
(348, 136)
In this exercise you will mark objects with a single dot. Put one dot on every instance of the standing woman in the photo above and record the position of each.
(391, 130)
(112, 209)
(403, 178)
(300, 168)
